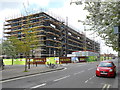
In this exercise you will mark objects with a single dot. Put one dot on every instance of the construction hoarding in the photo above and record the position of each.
(19, 61)
(90, 56)
(65, 59)
(52, 60)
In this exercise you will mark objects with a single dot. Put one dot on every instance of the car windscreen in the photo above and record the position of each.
(104, 64)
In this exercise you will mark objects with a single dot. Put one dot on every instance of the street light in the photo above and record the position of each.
(117, 32)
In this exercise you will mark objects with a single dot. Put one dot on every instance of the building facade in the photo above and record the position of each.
(55, 37)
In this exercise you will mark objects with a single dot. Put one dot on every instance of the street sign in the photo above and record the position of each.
(116, 30)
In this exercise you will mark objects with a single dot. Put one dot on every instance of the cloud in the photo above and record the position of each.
(10, 4)
(73, 13)
(7, 14)
(41, 3)
(14, 8)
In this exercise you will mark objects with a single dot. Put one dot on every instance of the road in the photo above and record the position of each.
(77, 75)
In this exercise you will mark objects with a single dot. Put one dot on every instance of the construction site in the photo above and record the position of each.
(56, 38)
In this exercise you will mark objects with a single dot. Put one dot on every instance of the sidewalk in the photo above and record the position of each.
(16, 71)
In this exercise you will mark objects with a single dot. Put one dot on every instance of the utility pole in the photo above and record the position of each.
(66, 37)
(94, 46)
(119, 41)
(85, 39)
(49, 51)
(117, 32)
(107, 54)
(1, 52)
(27, 27)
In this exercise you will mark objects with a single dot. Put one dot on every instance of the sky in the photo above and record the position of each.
(60, 9)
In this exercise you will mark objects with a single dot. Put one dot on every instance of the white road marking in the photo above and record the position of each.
(78, 72)
(106, 86)
(93, 76)
(62, 78)
(28, 76)
(89, 79)
(39, 85)
(86, 81)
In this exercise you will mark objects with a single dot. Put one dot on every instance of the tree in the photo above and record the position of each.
(0, 54)
(103, 16)
(27, 42)
(9, 50)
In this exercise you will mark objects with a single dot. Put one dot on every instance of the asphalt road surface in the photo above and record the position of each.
(77, 75)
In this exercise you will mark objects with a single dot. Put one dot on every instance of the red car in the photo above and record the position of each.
(106, 68)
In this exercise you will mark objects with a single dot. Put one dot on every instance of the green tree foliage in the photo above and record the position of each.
(9, 50)
(26, 42)
(103, 16)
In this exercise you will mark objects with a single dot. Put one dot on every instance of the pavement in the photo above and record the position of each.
(15, 71)
(80, 75)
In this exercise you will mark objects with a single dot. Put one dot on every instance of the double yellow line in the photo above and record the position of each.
(106, 87)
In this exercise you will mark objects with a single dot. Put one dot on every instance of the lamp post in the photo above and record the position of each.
(66, 37)
(117, 32)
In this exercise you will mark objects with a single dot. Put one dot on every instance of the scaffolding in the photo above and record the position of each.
(57, 38)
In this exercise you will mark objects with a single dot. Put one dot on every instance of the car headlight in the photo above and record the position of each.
(98, 69)
(110, 70)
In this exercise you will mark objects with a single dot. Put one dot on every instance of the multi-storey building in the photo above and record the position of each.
(56, 38)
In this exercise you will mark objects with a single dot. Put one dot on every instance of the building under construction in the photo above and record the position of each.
(56, 37)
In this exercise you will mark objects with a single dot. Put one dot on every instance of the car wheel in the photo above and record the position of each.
(114, 75)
